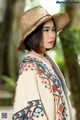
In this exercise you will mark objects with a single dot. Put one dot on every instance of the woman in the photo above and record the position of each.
(41, 92)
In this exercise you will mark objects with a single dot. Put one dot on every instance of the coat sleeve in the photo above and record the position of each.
(27, 103)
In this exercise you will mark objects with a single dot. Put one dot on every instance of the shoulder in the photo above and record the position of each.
(27, 64)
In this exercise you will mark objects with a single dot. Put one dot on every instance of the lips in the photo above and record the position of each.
(51, 42)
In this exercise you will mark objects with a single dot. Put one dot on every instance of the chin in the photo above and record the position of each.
(48, 48)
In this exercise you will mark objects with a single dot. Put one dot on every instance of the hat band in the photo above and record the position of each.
(41, 18)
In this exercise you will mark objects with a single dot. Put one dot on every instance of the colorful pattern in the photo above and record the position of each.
(49, 80)
(33, 110)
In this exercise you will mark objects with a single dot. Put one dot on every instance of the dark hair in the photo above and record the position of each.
(33, 41)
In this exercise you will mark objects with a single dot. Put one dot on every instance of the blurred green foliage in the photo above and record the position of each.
(7, 93)
(33, 3)
(59, 57)
(10, 84)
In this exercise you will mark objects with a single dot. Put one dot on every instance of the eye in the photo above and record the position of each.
(46, 30)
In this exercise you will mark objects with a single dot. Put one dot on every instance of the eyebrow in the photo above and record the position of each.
(48, 27)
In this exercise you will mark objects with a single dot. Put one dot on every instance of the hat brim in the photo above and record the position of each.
(61, 20)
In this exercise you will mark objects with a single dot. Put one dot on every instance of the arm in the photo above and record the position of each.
(27, 103)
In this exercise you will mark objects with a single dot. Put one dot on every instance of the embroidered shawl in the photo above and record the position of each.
(41, 92)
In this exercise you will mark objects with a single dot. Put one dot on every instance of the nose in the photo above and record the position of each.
(52, 34)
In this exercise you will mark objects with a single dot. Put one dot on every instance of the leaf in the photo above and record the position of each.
(10, 82)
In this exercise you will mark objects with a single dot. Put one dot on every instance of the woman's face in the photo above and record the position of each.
(49, 34)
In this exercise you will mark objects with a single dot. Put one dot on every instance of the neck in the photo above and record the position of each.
(40, 55)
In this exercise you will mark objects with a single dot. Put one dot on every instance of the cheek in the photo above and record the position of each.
(45, 38)
(54, 42)
(44, 43)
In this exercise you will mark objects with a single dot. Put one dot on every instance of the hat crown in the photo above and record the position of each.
(30, 17)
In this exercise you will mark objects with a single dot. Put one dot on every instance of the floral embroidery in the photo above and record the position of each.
(33, 110)
(49, 80)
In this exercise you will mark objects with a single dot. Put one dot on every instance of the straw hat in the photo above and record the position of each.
(34, 17)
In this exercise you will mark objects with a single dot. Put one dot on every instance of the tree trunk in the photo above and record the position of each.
(70, 40)
(9, 34)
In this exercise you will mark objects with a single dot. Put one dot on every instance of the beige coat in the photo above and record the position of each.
(41, 92)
